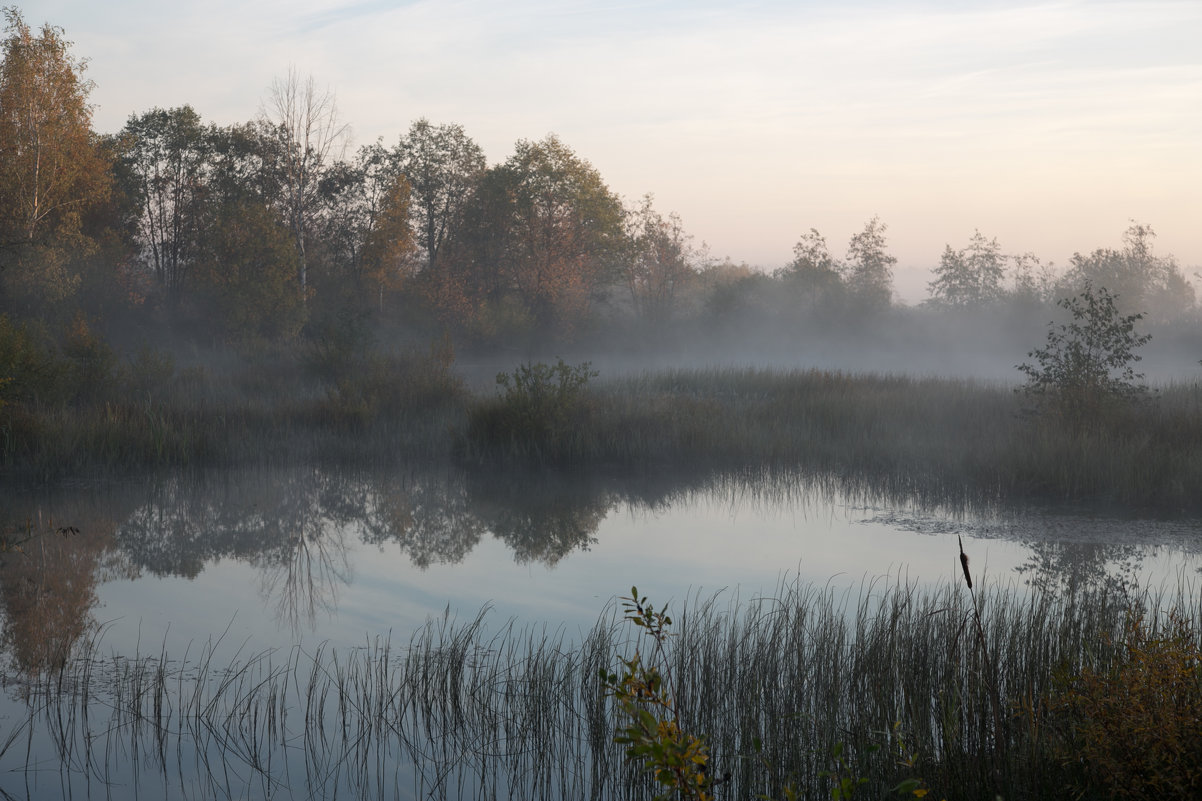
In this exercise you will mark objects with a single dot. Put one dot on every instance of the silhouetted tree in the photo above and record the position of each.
(868, 271)
(305, 120)
(660, 262)
(1139, 279)
(166, 153)
(812, 280)
(443, 165)
(1087, 362)
(971, 276)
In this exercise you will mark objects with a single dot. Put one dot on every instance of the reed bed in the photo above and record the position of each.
(927, 440)
(470, 710)
(273, 408)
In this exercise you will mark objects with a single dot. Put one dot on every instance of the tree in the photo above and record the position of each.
(868, 272)
(1033, 281)
(812, 280)
(355, 197)
(443, 166)
(166, 153)
(243, 164)
(305, 120)
(1086, 364)
(971, 276)
(248, 274)
(1142, 280)
(389, 247)
(661, 260)
(541, 235)
(566, 233)
(51, 168)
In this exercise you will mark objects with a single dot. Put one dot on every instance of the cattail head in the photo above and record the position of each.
(964, 563)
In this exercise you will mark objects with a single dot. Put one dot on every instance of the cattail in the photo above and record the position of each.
(964, 563)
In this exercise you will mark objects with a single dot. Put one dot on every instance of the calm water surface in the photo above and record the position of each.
(240, 565)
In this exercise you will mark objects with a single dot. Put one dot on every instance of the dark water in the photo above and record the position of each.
(310, 572)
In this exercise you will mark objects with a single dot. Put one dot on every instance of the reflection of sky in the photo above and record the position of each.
(694, 549)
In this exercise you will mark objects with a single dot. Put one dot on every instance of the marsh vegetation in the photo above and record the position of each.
(891, 678)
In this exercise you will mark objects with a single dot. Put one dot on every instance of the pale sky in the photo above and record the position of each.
(1048, 125)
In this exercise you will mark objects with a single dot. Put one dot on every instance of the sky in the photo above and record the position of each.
(1047, 125)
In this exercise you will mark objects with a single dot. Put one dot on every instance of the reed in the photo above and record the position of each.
(900, 682)
(268, 407)
(934, 441)
(925, 440)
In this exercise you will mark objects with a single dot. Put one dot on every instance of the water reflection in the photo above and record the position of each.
(381, 549)
(299, 529)
(542, 522)
(1067, 567)
(48, 580)
(430, 517)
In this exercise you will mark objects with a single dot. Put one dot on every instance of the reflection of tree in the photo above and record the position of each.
(430, 517)
(305, 520)
(549, 533)
(304, 577)
(297, 526)
(543, 520)
(47, 590)
(1060, 566)
(440, 517)
(170, 534)
(293, 525)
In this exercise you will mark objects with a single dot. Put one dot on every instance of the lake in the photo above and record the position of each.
(190, 574)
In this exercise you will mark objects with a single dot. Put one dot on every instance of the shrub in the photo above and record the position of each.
(1086, 363)
(652, 730)
(537, 407)
(95, 362)
(1133, 727)
(29, 370)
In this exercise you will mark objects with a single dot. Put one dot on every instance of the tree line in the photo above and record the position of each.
(274, 229)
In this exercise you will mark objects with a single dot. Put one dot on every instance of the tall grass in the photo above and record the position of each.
(269, 407)
(933, 441)
(465, 710)
(929, 440)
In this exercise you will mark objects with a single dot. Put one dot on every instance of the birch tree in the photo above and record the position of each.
(51, 169)
(311, 136)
